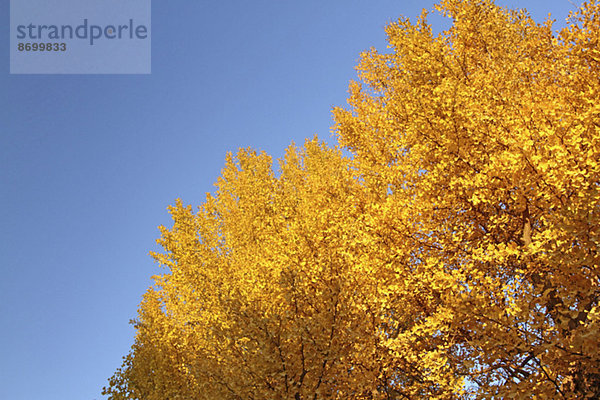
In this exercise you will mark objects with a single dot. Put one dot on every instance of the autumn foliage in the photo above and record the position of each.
(454, 254)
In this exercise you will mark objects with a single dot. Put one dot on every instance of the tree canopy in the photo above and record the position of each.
(454, 253)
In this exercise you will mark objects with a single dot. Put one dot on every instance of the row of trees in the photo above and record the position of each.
(454, 254)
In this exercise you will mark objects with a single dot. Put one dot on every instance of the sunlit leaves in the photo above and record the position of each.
(456, 254)
(488, 136)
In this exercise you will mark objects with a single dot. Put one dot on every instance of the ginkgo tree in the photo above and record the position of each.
(266, 295)
(455, 253)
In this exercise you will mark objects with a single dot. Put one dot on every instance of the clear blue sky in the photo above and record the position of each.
(89, 163)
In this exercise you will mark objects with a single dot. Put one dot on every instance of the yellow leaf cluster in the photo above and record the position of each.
(454, 255)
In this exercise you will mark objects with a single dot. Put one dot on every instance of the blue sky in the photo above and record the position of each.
(89, 163)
